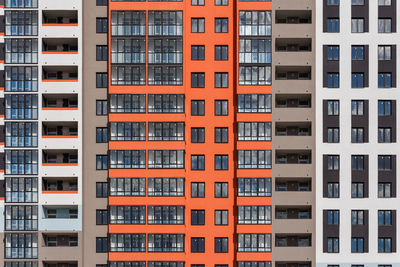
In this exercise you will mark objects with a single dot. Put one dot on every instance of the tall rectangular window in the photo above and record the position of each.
(333, 52)
(197, 52)
(221, 107)
(101, 25)
(221, 135)
(384, 52)
(384, 245)
(101, 135)
(221, 52)
(19, 23)
(221, 80)
(101, 162)
(101, 52)
(197, 108)
(357, 245)
(384, 80)
(197, 135)
(101, 80)
(197, 190)
(21, 51)
(221, 25)
(357, 52)
(384, 25)
(221, 162)
(197, 25)
(333, 25)
(357, 25)
(101, 107)
(333, 245)
(357, 80)
(333, 80)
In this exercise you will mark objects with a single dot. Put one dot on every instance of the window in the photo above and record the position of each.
(165, 215)
(333, 245)
(128, 242)
(384, 25)
(221, 24)
(197, 190)
(133, 103)
(101, 107)
(357, 245)
(197, 24)
(101, 189)
(357, 25)
(357, 135)
(197, 135)
(254, 50)
(384, 107)
(102, 217)
(19, 51)
(221, 80)
(21, 134)
(128, 159)
(333, 107)
(21, 4)
(166, 131)
(221, 217)
(254, 103)
(255, 263)
(21, 79)
(197, 52)
(333, 135)
(384, 163)
(128, 215)
(221, 190)
(333, 52)
(101, 135)
(197, 79)
(21, 162)
(357, 190)
(197, 244)
(101, 25)
(254, 23)
(254, 131)
(221, 2)
(221, 52)
(333, 162)
(384, 52)
(164, 103)
(129, 186)
(221, 162)
(197, 217)
(128, 23)
(221, 245)
(20, 23)
(101, 2)
(357, 107)
(384, 135)
(221, 108)
(133, 51)
(21, 264)
(221, 135)
(254, 159)
(157, 264)
(197, 107)
(128, 131)
(134, 74)
(357, 2)
(384, 80)
(254, 75)
(333, 25)
(357, 217)
(21, 107)
(166, 186)
(197, 2)
(162, 51)
(21, 246)
(21, 218)
(333, 217)
(357, 80)
(101, 80)
(254, 242)
(357, 162)
(384, 217)
(254, 187)
(357, 52)
(384, 190)
(333, 80)
(101, 162)
(21, 190)
(333, 190)
(167, 23)
(254, 214)
(332, 2)
(197, 162)
(165, 159)
(384, 2)
(101, 52)
(384, 244)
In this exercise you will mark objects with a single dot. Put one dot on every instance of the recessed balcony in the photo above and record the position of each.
(60, 74)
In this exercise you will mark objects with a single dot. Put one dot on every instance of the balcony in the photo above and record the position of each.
(293, 101)
(293, 157)
(60, 130)
(58, 217)
(293, 129)
(293, 185)
(60, 264)
(293, 45)
(60, 185)
(60, 158)
(293, 264)
(293, 73)
(60, 18)
(299, 240)
(60, 240)
(293, 17)
(293, 212)
(60, 46)
(60, 102)
(60, 74)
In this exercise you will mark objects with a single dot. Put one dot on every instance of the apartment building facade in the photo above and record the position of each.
(41, 125)
(356, 133)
